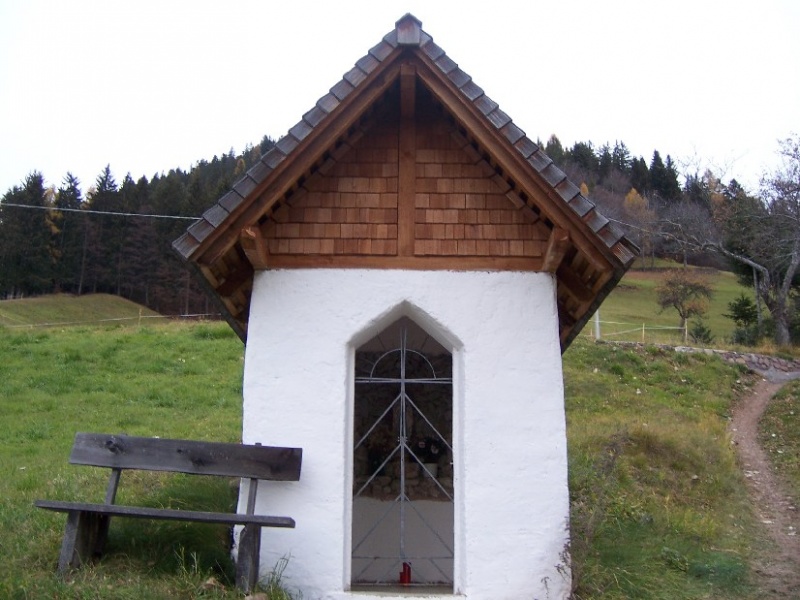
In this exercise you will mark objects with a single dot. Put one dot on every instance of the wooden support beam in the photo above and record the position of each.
(254, 246)
(574, 286)
(557, 247)
(235, 280)
(408, 81)
(408, 161)
(414, 263)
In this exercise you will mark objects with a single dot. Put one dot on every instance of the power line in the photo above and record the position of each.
(98, 212)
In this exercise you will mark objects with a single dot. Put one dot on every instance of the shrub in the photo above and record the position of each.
(700, 333)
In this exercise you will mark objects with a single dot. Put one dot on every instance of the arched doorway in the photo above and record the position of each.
(403, 509)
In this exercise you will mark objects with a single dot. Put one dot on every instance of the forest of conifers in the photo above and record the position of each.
(65, 244)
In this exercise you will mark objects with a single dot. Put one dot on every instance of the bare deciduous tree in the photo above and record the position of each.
(687, 291)
(761, 233)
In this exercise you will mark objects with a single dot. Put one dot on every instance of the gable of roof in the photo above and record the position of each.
(587, 253)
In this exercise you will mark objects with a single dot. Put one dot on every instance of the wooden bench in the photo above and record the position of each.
(87, 524)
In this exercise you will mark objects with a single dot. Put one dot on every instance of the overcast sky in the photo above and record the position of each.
(149, 85)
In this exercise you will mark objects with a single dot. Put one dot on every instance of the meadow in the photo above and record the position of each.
(659, 505)
(70, 311)
(633, 304)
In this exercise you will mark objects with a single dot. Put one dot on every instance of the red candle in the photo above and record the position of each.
(405, 574)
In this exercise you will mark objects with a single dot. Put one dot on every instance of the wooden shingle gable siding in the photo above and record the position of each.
(351, 208)
(458, 205)
(461, 204)
(407, 163)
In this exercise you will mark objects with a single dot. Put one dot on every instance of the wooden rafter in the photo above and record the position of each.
(574, 285)
(557, 246)
(254, 246)
(235, 280)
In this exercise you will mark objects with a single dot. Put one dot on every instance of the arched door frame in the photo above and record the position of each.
(453, 346)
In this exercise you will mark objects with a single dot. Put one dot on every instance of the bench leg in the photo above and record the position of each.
(247, 558)
(81, 538)
(99, 545)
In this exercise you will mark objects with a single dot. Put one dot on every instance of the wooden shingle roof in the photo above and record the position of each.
(406, 69)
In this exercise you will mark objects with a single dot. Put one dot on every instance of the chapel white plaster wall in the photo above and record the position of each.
(509, 428)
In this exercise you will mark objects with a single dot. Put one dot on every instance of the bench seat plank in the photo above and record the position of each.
(187, 456)
(143, 512)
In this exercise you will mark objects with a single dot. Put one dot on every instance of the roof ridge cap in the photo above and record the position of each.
(409, 30)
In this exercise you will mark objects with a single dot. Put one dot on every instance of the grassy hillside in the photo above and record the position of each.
(633, 303)
(63, 309)
(658, 505)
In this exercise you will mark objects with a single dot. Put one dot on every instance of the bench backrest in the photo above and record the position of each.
(201, 458)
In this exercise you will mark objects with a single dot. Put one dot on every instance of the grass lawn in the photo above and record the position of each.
(658, 505)
(174, 380)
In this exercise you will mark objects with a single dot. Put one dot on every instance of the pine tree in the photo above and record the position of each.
(26, 266)
(672, 188)
(555, 150)
(11, 236)
(582, 154)
(267, 143)
(605, 162)
(143, 250)
(169, 291)
(105, 236)
(640, 175)
(68, 235)
(133, 198)
(658, 174)
(621, 157)
(664, 179)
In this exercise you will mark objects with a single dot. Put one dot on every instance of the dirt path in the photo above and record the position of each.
(780, 571)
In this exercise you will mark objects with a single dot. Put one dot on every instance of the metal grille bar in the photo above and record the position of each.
(415, 369)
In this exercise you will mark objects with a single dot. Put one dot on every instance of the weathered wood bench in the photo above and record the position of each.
(87, 524)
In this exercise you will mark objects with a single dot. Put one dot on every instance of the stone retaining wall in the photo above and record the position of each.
(760, 363)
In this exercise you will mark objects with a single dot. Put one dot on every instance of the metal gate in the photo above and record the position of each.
(403, 508)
